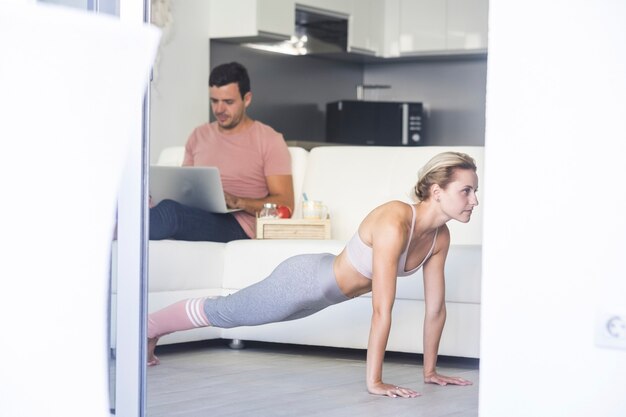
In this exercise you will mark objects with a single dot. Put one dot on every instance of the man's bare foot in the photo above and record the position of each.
(152, 359)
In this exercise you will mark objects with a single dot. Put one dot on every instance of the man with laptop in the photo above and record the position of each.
(252, 159)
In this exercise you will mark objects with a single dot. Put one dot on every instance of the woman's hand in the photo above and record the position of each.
(392, 391)
(435, 378)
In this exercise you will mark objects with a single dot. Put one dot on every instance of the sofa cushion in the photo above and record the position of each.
(298, 168)
(249, 261)
(462, 271)
(463, 266)
(172, 156)
(177, 265)
(352, 180)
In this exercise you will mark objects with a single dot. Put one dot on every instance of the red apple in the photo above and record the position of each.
(284, 212)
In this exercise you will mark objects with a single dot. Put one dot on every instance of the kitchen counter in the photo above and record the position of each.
(308, 145)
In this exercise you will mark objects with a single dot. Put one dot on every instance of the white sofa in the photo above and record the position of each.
(351, 180)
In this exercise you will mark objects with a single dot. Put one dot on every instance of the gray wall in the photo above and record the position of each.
(290, 93)
(453, 92)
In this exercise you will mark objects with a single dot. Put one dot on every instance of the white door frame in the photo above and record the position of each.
(130, 384)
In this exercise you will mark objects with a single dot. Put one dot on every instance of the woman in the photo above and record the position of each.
(395, 239)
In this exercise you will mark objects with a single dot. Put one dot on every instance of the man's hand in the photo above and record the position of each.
(232, 201)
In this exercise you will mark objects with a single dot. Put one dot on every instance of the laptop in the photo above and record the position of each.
(199, 187)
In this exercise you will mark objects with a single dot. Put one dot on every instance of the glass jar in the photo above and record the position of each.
(268, 211)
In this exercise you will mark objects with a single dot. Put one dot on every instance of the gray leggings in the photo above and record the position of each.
(298, 287)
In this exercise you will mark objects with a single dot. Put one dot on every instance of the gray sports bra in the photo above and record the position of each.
(360, 255)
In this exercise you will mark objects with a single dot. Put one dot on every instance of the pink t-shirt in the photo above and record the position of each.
(244, 160)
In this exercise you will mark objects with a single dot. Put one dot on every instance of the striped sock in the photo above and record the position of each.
(183, 315)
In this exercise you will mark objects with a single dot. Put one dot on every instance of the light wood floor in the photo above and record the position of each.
(266, 380)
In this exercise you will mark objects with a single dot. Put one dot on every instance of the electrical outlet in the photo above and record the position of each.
(611, 330)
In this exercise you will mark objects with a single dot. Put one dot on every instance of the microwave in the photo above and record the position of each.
(379, 123)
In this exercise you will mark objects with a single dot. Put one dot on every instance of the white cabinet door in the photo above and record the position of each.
(422, 25)
(442, 26)
(276, 16)
(467, 24)
(252, 18)
(365, 29)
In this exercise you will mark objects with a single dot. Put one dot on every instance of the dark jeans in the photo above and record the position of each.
(172, 220)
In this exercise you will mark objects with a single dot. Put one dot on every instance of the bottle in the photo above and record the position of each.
(268, 211)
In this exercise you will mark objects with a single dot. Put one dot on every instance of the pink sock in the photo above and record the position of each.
(183, 315)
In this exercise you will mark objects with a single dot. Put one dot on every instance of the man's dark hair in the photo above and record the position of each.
(233, 72)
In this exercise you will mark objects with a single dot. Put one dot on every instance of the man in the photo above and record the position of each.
(253, 160)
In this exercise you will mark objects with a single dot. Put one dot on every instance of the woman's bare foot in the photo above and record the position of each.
(152, 359)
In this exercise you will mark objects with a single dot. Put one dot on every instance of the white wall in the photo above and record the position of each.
(180, 92)
(83, 80)
(554, 223)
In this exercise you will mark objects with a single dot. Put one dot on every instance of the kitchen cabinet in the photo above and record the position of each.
(435, 26)
(267, 20)
(422, 25)
(365, 30)
(393, 28)
(385, 28)
(255, 19)
(364, 21)
(467, 22)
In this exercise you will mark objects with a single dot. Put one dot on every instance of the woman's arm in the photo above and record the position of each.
(435, 314)
(387, 243)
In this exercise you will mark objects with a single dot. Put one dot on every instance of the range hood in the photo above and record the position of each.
(315, 33)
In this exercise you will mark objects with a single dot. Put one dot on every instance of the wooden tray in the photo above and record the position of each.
(292, 229)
